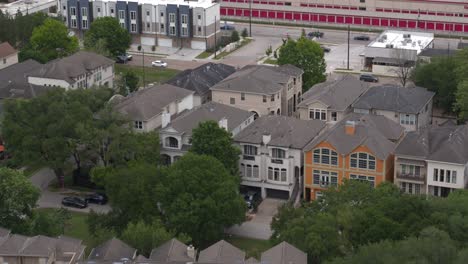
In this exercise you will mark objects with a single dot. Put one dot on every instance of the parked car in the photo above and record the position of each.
(76, 202)
(325, 49)
(159, 63)
(227, 27)
(252, 199)
(316, 34)
(367, 77)
(97, 198)
(362, 37)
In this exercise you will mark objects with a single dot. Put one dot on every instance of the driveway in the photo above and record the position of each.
(259, 226)
(42, 179)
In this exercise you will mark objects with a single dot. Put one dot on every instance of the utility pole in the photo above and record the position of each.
(215, 47)
(250, 18)
(348, 48)
(143, 64)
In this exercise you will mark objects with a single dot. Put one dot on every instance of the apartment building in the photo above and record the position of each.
(172, 23)
(360, 147)
(262, 90)
(272, 157)
(331, 101)
(433, 161)
(443, 16)
(411, 107)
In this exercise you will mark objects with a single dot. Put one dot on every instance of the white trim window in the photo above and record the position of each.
(411, 188)
(133, 27)
(138, 125)
(325, 178)
(277, 174)
(121, 14)
(84, 24)
(447, 176)
(413, 170)
(325, 156)
(278, 153)
(73, 23)
(171, 142)
(171, 18)
(250, 150)
(84, 12)
(183, 19)
(172, 30)
(407, 119)
(72, 11)
(363, 178)
(318, 114)
(132, 15)
(362, 160)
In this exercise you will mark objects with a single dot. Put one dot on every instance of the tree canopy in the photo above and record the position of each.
(307, 55)
(17, 30)
(212, 140)
(107, 32)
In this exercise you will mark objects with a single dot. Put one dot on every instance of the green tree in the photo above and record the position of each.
(212, 140)
(18, 198)
(116, 38)
(128, 83)
(461, 103)
(200, 198)
(244, 33)
(100, 47)
(51, 41)
(50, 223)
(307, 55)
(235, 36)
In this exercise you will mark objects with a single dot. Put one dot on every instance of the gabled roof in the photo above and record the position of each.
(371, 131)
(6, 50)
(445, 144)
(72, 66)
(222, 253)
(202, 78)
(112, 250)
(285, 131)
(395, 98)
(65, 245)
(39, 246)
(252, 260)
(258, 79)
(186, 122)
(173, 251)
(337, 94)
(284, 253)
(148, 103)
(13, 245)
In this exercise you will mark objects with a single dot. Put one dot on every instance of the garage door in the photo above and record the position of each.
(165, 42)
(198, 45)
(148, 41)
(278, 194)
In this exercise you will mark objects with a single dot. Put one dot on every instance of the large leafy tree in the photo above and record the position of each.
(116, 38)
(200, 198)
(50, 41)
(461, 103)
(212, 140)
(18, 198)
(307, 55)
(17, 30)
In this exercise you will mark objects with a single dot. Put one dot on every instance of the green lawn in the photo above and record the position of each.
(158, 75)
(252, 247)
(204, 55)
(271, 61)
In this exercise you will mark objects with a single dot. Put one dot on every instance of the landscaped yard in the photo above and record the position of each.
(252, 247)
(152, 75)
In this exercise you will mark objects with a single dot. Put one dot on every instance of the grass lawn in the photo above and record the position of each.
(158, 75)
(271, 61)
(252, 247)
(204, 55)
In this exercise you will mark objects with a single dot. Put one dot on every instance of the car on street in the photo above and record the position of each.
(367, 77)
(325, 49)
(73, 201)
(227, 27)
(159, 63)
(315, 34)
(252, 199)
(124, 58)
(362, 37)
(96, 198)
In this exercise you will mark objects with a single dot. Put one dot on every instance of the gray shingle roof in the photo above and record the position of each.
(13, 245)
(209, 111)
(257, 79)
(394, 98)
(284, 253)
(40, 246)
(372, 131)
(252, 260)
(202, 78)
(4, 232)
(72, 66)
(112, 250)
(222, 253)
(6, 50)
(446, 144)
(173, 251)
(285, 131)
(147, 103)
(337, 94)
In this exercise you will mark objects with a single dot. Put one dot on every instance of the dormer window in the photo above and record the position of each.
(171, 142)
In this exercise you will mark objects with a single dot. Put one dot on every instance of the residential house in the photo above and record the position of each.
(18, 249)
(262, 90)
(359, 147)
(221, 253)
(176, 137)
(284, 253)
(151, 108)
(201, 79)
(111, 251)
(433, 161)
(80, 70)
(272, 154)
(411, 107)
(331, 101)
(173, 251)
(8, 55)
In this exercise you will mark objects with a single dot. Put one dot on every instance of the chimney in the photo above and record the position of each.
(266, 138)
(223, 123)
(166, 119)
(350, 127)
(191, 252)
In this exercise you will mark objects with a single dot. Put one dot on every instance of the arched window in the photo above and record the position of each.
(171, 142)
(278, 112)
(277, 153)
(325, 156)
(362, 160)
(165, 159)
(255, 171)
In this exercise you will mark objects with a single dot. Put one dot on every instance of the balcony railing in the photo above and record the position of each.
(414, 177)
(248, 157)
(325, 184)
(277, 161)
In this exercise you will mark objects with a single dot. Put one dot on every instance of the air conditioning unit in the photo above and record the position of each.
(406, 36)
(389, 46)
